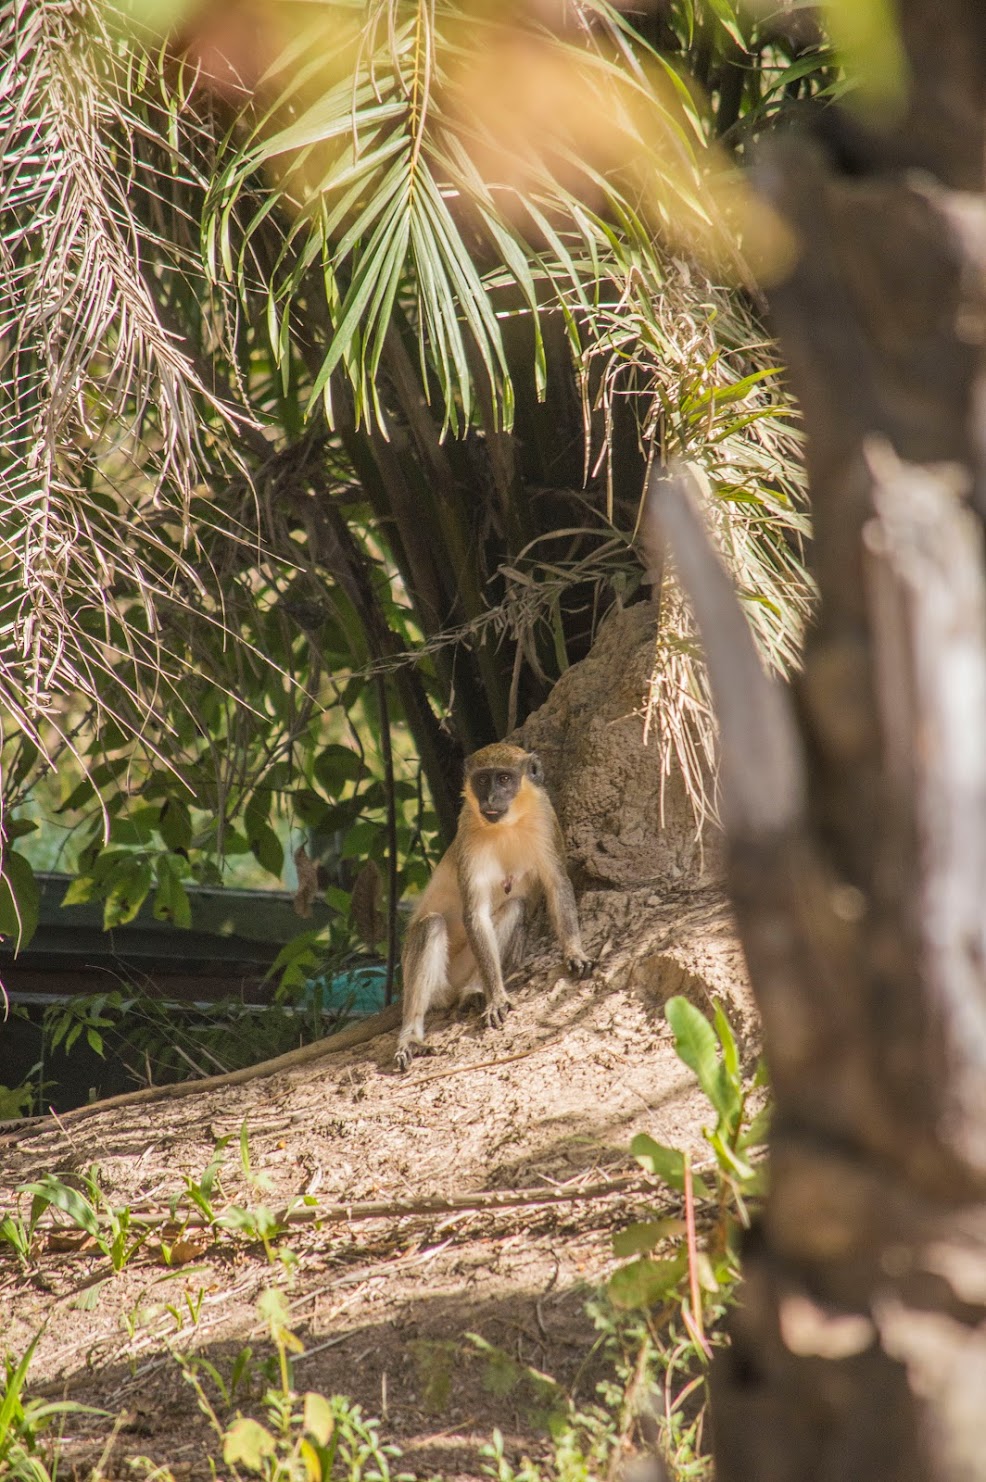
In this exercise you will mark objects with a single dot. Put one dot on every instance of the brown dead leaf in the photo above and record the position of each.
(186, 1250)
(308, 887)
(70, 1241)
(365, 904)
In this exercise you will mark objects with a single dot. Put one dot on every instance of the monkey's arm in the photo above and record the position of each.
(564, 912)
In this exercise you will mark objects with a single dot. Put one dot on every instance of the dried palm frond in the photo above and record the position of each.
(100, 409)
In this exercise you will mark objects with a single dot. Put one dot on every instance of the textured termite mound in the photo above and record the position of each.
(627, 817)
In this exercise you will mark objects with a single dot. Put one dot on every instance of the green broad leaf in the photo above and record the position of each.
(696, 1045)
(756, 1134)
(87, 1300)
(361, 838)
(171, 900)
(11, 1231)
(812, 61)
(659, 1161)
(637, 1240)
(15, 1101)
(49, 1190)
(16, 828)
(245, 1148)
(646, 1282)
(309, 807)
(247, 1443)
(106, 863)
(336, 765)
(82, 889)
(728, 19)
(128, 890)
(728, 1159)
(20, 899)
(175, 824)
(307, 946)
(137, 830)
(257, 811)
(707, 1278)
(730, 1054)
(10, 1405)
(267, 849)
(667, 1164)
(258, 1223)
(234, 843)
(317, 1417)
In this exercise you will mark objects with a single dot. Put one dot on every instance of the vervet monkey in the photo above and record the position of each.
(469, 927)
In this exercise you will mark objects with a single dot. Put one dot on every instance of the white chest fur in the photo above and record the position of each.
(496, 875)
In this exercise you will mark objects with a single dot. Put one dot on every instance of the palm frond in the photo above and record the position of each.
(100, 409)
(409, 175)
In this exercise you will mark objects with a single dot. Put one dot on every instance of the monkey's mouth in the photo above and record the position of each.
(492, 815)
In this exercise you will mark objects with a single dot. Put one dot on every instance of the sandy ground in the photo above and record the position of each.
(384, 1302)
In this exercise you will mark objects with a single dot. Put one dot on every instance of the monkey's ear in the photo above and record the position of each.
(535, 771)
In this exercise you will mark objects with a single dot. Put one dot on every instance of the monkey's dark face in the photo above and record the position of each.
(495, 789)
(496, 774)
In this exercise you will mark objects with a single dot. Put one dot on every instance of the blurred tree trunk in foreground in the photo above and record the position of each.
(858, 828)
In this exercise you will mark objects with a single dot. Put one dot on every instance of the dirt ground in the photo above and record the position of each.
(384, 1305)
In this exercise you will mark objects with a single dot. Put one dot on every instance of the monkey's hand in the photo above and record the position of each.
(496, 1012)
(578, 965)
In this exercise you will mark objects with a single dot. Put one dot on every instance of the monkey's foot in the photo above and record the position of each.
(496, 1013)
(407, 1053)
(579, 966)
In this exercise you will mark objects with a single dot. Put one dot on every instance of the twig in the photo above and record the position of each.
(693, 1320)
(396, 1209)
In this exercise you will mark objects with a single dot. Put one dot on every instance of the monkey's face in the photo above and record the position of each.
(495, 776)
(495, 789)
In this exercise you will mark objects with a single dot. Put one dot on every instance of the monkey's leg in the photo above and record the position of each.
(503, 950)
(425, 972)
(511, 934)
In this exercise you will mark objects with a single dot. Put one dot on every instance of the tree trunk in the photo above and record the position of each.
(857, 819)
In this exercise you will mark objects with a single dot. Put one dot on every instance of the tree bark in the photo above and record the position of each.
(857, 815)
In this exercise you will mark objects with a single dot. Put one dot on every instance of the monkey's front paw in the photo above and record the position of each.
(402, 1059)
(496, 1013)
(579, 966)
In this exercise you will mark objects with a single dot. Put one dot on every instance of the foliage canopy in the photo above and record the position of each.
(332, 368)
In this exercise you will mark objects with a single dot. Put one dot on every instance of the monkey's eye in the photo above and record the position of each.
(504, 779)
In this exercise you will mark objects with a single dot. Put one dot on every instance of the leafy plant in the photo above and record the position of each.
(339, 425)
(710, 1052)
(112, 1228)
(302, 1437)
(17, 1101)
(19, 1235)
(200, 1192)
(644, 1404)
(158, 1041)
(664, 1305)
(24, 1452)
